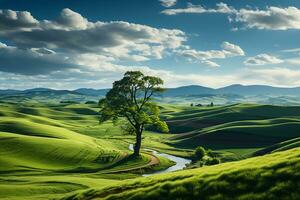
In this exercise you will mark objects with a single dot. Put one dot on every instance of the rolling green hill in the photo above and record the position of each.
(26, 145)
(239, 129)
(274, 176)
(60, 150)
(47, 150)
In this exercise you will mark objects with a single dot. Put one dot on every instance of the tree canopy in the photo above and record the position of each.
(130, 99)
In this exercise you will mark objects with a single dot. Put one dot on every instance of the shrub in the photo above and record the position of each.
(199, 153)
(68, 102)
(90, 102)
(213, 161)
(211, 154)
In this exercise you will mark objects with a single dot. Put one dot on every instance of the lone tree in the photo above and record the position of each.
(130, 98)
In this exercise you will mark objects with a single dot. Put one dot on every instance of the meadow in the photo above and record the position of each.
(60, 151)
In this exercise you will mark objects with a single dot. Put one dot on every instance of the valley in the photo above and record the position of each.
(61, 151)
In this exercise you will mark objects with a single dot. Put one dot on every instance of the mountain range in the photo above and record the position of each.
(237, 89)
(190, 93)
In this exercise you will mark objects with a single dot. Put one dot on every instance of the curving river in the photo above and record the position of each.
(180, 162)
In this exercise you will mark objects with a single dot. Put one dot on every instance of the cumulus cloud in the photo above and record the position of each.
(227, 50)
(71, 52)
(198, 9)
(262, 59)
(72, 19)
(49, 45)
(32, 61)
(168, 3)
(273, 18)
(73, 33)
(270, 18)
(10, 20)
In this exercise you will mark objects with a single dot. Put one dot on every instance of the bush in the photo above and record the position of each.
(213, 161)
(199, 153)
(69, 102)
(90, 102)
(211, 154)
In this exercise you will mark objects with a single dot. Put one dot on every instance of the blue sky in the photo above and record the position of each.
(67, 45)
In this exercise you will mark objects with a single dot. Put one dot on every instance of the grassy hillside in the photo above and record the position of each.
(39, 136)
(289, 144)
(239, 129)
(274, 176)
(47, 150)
(50, 150)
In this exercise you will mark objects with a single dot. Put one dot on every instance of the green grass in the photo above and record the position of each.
(47, 150)
(50, 150)
(274, 176)
(289, 144)
(235, 131)
(33, 138)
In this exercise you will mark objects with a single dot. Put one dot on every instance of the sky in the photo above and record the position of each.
(89, 44)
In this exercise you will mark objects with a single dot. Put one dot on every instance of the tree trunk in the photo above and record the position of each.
(138, 142)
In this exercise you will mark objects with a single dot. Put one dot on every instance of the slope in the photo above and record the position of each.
(274, 176)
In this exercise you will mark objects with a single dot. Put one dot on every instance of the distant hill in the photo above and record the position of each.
(257, 90)
(237, 89)
(38, 90)
(45, 95)
(92, 92)
(245, 90)
(6, 92)
(188, 90)
(237, 93)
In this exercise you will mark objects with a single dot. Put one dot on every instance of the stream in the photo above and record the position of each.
(180, 162)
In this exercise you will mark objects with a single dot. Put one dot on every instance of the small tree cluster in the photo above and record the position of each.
(203, 157)
(213, 161)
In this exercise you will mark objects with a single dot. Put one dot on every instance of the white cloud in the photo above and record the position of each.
(72, 19)
(262, 59)
(273, 18)
(210, 63)
(168, 3)
(2, 45)
(293, 61)
(227, 50)
(190, 9)
(71, 32)
(10, 19)
(71, 35)
(295, 50)
(232, 49)
(279, 76)
(73, 52)
(198, 9)
(43, 50)
(202, 55)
